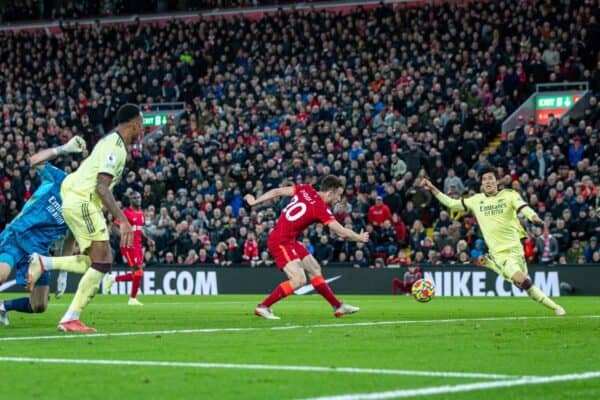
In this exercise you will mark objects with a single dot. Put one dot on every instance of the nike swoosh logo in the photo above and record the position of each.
(8, 285)
(309, 288)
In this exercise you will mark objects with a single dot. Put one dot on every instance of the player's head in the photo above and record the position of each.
(129, 118)
(135, 199)
(331, 189)
(489, 184)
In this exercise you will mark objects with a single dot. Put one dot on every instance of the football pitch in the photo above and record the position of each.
(201, 347)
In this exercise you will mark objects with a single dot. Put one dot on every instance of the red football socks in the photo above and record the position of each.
(136, 281)
(324, 290)
(283, 290)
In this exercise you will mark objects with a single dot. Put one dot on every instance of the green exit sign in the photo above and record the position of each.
(155, 120)
(565, 101)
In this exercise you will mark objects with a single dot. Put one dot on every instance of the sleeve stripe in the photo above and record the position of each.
(106, 174)
(462, 201)
(520, 208)
(329, 221)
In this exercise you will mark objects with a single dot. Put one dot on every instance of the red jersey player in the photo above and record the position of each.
(134, 255)
(305, 207)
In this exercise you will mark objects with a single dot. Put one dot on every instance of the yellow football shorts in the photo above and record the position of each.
(85, 220)
(506, 263)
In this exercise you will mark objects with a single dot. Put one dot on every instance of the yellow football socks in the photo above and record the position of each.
(537, 295)
(78, 264)
(88, 286)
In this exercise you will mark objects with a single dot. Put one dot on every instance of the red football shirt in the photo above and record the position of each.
(304, 208)
(136, 219)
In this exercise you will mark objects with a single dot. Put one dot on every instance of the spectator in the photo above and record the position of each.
(359, 260)
(404, 285)
(575, 252)
(379, 212)
(478, 251)
(324, 250)
(453, 184)
(386, 239)
(250, 255)
(546, 247)
(590, 249)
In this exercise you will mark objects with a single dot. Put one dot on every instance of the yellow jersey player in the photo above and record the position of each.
(84, 192)
(496, 212)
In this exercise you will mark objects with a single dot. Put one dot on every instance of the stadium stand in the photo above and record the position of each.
(383, 97)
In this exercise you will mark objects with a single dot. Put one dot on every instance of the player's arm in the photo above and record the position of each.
(287, 191)
(75, 145)
(348, 234)
(108, 200)
(452, 204)
(525, 209)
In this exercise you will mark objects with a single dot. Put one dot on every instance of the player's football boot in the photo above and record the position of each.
(560, 311)
(265, 312)
(4, 317)
(108, 282)
(36, 269)
(134, 302)
(61, 284)
(345, 309)
(75, 326)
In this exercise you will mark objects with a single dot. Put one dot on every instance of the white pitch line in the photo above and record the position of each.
(466, 387)
(302, 368)
(277, 328)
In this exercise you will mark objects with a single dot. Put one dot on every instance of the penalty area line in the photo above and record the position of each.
(298, 368)
(466, 387)
(280, 327)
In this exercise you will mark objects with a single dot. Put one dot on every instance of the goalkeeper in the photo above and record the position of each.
(496, 212)
(39, 224)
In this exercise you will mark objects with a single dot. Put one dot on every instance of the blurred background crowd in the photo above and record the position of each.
(382, 97)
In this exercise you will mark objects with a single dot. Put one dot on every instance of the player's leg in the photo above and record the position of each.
(296, 278)
(513, 268)
(39, 298)
(90, 230)
(4, 273)
(522, 280)
(89, 284)
(136, 282)
(313, 269)
(36, 302)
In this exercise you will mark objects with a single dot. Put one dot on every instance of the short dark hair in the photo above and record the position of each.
(127, 112)
(488, 169)
(331, 182)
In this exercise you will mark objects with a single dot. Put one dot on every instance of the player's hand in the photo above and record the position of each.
(250, 200)
(150, 243)
(537, 220)
(126, 234)
(426, 184)
(363, 236)
(75, 145)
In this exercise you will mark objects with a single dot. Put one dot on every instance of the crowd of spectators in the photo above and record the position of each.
(31, 10)
(382, 97)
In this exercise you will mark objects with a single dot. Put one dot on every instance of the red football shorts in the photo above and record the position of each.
(134, 257)
(284, 252)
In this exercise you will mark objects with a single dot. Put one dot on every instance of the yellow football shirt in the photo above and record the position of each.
(108, 157)
(496, 216)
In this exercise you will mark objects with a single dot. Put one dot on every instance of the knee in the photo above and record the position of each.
(298, 280)
(4, 272)
(39, 307)
(525, 284)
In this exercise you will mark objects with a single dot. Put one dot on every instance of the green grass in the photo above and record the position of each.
(415, 339)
